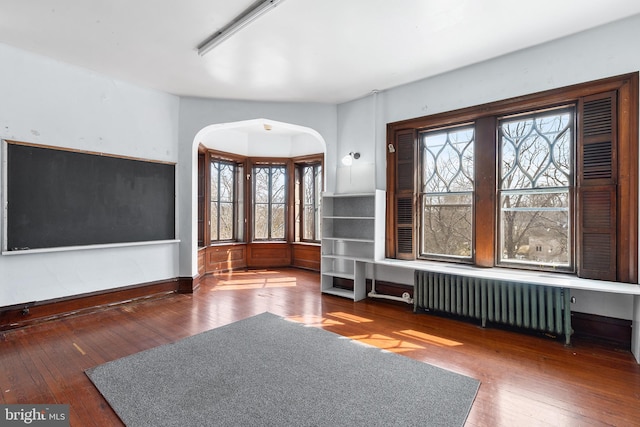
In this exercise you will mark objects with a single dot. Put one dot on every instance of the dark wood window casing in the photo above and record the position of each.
(300, 164)
(205, 156)
(202, 188)
(606, 167)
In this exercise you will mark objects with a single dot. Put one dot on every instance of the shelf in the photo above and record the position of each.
(349, 239)
(349, 257)
(353, 237)
(341, 274)
(349, 217)
(339, 195)
(346, 293)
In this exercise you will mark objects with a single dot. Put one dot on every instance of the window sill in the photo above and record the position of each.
(317, 244)
(226, 244)
(559, 280)
(269, 242)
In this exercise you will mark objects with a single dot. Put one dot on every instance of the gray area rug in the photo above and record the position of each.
(267, 371)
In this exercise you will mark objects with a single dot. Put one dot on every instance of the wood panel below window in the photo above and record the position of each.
(237, 256)
(222, 258)
(268, 254)
(306, 255)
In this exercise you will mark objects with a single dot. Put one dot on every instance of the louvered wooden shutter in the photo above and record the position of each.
(405, 194)
(201, 197)
(597, 179)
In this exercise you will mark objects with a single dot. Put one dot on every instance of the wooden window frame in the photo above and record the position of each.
(203, 190)
(571, 189)
(272, 162)
(622, 186)
(299, 164)
(205, 157)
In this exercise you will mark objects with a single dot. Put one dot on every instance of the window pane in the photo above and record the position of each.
(536, 176)
(536, 151)
(308, 183)
(309, 229)
(278, 185)
(214, 221)
(447, 158)
(214, 180)
(447, 225)
(261, 221)
(277, 221)
(226, 221)
(226, 182)
(536, 228)
(447, 192)
(261, 185)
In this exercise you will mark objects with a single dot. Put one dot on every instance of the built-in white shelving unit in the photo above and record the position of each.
(352, 237)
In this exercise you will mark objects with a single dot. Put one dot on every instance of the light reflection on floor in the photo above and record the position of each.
(392, 344)
(349, 317)
(386, 343)
(256, 283)
(401, 341)
(428, 338)
(315, 321)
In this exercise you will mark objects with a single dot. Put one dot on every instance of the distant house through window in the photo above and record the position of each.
(547, 181)
(536, 187)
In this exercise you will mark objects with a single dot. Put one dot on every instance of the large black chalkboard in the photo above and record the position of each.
(59, 198)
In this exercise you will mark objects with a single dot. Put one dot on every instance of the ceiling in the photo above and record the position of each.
(328, 51)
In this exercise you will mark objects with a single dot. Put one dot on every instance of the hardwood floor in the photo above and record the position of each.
(525, 380)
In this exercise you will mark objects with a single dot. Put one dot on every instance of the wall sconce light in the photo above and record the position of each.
(348, 159)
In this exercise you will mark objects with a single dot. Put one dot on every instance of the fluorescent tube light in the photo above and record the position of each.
(245, 18)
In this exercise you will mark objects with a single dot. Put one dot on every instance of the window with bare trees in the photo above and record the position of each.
(224, 198)
(536, 188)
(447, 192)
(269, 202)
(547, 181)
(309, 199)
(245, 199)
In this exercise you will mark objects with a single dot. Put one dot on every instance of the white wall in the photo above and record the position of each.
(197, 113)
(47, 102)
(51, 103)
(602, 52)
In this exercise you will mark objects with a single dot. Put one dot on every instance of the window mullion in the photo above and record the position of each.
(269, 202)
(485, 203)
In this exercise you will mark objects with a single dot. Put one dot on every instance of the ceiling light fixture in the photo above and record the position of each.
(254, 11)
(348, 159)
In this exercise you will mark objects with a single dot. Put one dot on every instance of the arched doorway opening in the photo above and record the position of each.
(269, 141)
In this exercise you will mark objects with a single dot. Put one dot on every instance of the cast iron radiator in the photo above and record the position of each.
(542, 308)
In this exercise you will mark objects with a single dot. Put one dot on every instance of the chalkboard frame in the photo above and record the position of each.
(88, 199)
